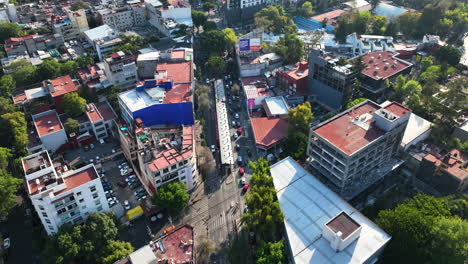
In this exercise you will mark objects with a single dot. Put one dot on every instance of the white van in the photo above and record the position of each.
(101, 141)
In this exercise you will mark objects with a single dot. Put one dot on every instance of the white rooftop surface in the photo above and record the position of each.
(136, 100)
(155, 3)
(144, 255)
(35, 93)
(416, 126)
(149, 56)
(464, 126)
(307, 205)
(99, 32)
(357, 3)
(227, 156)
(277, 105)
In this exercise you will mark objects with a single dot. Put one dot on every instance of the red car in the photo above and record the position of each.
(239, 131)
(246, 187)
(122, 184)
(241, 171)
(238, 124)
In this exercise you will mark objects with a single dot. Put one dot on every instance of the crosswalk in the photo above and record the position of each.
(215, 222)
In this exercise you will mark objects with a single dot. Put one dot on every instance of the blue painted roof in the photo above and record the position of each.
(309, 24)
(383, 9)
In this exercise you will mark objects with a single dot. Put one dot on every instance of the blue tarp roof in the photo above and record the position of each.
(389, 11)
(309, 24)
(158, 114)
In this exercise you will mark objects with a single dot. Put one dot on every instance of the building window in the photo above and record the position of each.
(44, 214)
(173, 167)
(185, 162)
(97, 202)
(99, 208)
(47, 221)
(182, 179)
(50, 227)
(166, 170)
(95, 195)
(181, 163)
(78, 193)
(41, 207)
(81, 200)
(92, 188)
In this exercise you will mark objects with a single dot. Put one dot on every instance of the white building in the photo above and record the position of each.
(72, 26)
(50, 130)
(60, 195)
(103, 39)
(99, 120)
(124, 17)
(167, 20)
(358, 45)
(121, 70)
(321, 227)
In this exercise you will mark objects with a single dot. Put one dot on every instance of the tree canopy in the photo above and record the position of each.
(355, 102)
(7, 85)
(8, 186)
(84, 61)
(449, 54)
(71, 126)
(199, 18)
(230, 36)
(271, 253)
(291, 48)
(16, 131)
(215, 66)
(8, 30)
(79, 5)
(73, 104)
(295, 144)
(272, 19)
(172, 197)
(306, 10)
(93, 242)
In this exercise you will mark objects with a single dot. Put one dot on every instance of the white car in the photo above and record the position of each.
(236, 115)
(235, 135)
(213, 148)
(6, 243)
(97, 158)
(91, 161)
(243, 181)
(126, 205)
(113, 151)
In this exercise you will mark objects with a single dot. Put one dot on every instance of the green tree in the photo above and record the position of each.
(378, 24)
(391, 29)
(210, 25)
(272, 19)
(207, 6)
(116, 250)
(16, 132)
(8, 186)
(72, 126)
(300, 117)
(79, 5)
(426, 63)
(199, 18)
(271, 253)
(444, 26)
(215, 66)
(5, 155)
(73, 104)
(8, 30)
(449, 54)
(69, 68)
(14, 66)
(6, 106)
(407, 22)
(212, 43)
(172, 197)
(431, 74)
(25, 75)
(230, 36)
(264, 215)
(290, 48)
(295, 144)
(306, 10)
(7, 85)
(355, 102)
(84, 61)
(49, 69)
(451, 243)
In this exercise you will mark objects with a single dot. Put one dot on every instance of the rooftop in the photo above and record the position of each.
(47, 123)
(78, 177)
(297, 71)
(383, 64)
(178, 245)
(100, 32)
(61, 86)
(268, 131)
(106, 111)
(308, 205)
(179, 72)
(93, 113)
(387, 10)
(331, 16)
(455, 162)
(416, 127)
(275, 106)
(36, 162)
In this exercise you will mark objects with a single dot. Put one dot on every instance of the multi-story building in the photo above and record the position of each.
(58, 88)
(382, 68)
(30, 44)
(50, 131)
(121, 70)
(357, 148)
(8, 62)
(293, 78)
(99, 120)
(78, 19)
(169, 18)
(103, 39)
(8, 12)
(123, 17)
(93, 77)
(72, 25)
(330, 81)
(60, 195)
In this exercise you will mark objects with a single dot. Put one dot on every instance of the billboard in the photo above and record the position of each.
(249, 44)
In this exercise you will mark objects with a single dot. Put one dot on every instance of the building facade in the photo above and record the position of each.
(60, 195)
(124, 17)
(357, 148)
(121, 70)
(50, 130)
(293, 78)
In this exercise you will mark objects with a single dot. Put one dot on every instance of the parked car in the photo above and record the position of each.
(236, 115)
(243, 181)
(245, 187)
(134, 185)
(122, 184)
(239, 131)
(91, 146)
(235, 135)
(237, 147)
(239, 160)
(241, 171)
(233, 123)
(101, 141)
(6, 242)
(126, 205)
(213, 148)
(238, 124)
(142, 198)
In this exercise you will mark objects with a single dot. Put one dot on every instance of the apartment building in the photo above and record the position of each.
(103, 39)
(17, 46)
(93, 77)
(293, 78)
(71, 25)
(99, 120)
(60, 195)
(123, 17)
(329, 80)
(50, 131)
(382, 68)
(357, 148)
(120, 68)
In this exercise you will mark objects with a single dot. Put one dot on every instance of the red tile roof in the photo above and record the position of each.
(301, 71)
(106, 111)
(397, 109)
(268, 131)
(383, 64)
(178, 93)
(92, 114)
(331, 16)
(175, 249)
(63, 85)
(179, 72)
(19, 39)
(178, 54)
(348, 136)
(47, 124)
(79, 178)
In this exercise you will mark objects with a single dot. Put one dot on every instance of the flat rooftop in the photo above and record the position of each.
(100, 32)
(178, 245)
(63, 85)
(36, 162)
(343, 223)
(92, 113)
(179, 72)
(106, 111)
(276, 106)
(383, 64)
(308, 205)
(268, 132)
(47, 123)
(331, 16)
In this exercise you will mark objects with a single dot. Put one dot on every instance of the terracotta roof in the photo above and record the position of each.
(63, 85)
(331, 16)
(383, 64)
(106, 111)
(47, 123)
(172, 243)
(343, 223)
(178, 54)
(301, 71)
(179, 72)
(19, 39)
(93, 114)
(268, 131)
(397, 109)
(79, 178)
(348, 136)
(178, 93)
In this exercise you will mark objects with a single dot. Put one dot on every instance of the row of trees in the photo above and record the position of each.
(364, 23)
(93, 242)
(264, 215)
(426, 229)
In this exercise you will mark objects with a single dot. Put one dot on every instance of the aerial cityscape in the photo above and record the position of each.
(234, 132)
